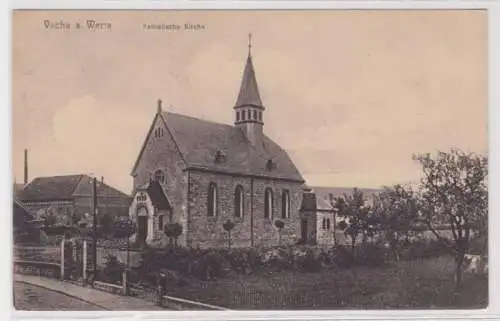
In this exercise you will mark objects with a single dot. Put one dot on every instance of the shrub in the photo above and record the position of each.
(342, 256)
(308, 260)
(244, 260)
(112, 271)
(371, 255)
(423, 249)
(478, 245)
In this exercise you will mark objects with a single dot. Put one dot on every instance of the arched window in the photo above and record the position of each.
(237, 116)
(243, 115)
(327, 223)
(268, 203)
(212, 200)
(255, 114)
(324, 224)
(260, 115)
(159, 177)
(249, 112)
(238, 201)
(158, 132)
(285, 204)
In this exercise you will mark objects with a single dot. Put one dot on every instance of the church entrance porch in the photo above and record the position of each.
(149, 210)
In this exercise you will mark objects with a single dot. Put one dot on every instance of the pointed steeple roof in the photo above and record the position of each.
(249, 91)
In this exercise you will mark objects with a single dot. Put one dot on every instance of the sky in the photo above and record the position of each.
(350, 94)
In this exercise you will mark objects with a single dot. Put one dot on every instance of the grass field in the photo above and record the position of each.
(405, 285)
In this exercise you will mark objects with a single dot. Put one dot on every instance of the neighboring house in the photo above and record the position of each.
(318, 217)
(320, 223)
(25, 226)
(21, 216)
(324, 192)
(212, 172)
(71, 196)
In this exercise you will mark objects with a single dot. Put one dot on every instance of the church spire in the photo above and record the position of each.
(249, 109)
(249, 91)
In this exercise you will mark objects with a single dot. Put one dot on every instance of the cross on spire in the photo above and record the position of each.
(249, 43)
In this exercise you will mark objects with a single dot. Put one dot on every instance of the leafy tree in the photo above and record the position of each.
(124, 228)
(279, 225)
(228, 226)
(357, 217)
(50, 220)
(397, 211)
(76, 218)
(173, 231)
(454, 192)
(106, 223)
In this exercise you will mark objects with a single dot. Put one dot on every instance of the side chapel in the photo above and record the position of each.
(201, 173)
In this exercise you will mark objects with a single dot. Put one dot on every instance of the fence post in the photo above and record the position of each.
(124, 282)
(84, 263)
(62, 259)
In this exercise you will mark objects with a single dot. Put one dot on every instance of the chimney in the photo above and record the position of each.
(25, 166)
(102, 179)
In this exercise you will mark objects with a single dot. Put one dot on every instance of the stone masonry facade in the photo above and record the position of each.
(162, 154)
(207, 231)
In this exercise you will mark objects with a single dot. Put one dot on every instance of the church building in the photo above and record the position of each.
(210, 173)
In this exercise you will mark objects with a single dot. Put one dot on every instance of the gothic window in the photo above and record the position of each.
(243, 115)
(285, 204)
(328, 224)
(260, 115)
(255, 114)
(268, 203)
(159, 177)
(238, 201)
(212, 200)
(249, 114)
(324, 224)
(237, 116)
(159, 132)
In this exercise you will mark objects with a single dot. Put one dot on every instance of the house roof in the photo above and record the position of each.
(249, 91)
(156, 194)
(324, 192)
(64, 188)
(199, 141)
(21, 211)
(313, 202)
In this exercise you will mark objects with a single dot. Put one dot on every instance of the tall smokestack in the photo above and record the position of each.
(25, 166)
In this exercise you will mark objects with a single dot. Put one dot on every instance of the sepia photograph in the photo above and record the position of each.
(249, 160)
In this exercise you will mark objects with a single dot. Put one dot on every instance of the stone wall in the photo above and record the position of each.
(325, 235)
(312, 225)
(161, 153)
(205, 231)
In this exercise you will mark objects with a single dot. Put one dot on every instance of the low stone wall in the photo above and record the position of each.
(46, 269)
(110, 288)
(183, 304)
